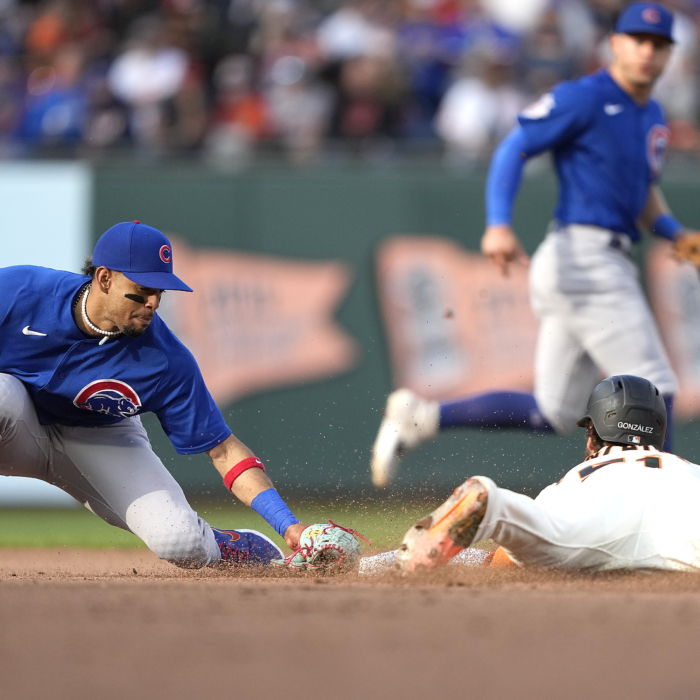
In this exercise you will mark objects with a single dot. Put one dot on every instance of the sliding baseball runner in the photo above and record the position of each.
(627, 505)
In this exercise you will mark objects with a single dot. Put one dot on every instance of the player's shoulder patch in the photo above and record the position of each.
(541, 108)
(566, 96)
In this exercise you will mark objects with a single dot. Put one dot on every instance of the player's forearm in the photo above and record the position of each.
(504, 177)
(244, 475)
(255, 490)
(250, 484)
(654, 207)
(656, 216)
(227, 454)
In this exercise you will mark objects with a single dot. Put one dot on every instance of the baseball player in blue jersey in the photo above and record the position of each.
(81, 357)
(607, 138)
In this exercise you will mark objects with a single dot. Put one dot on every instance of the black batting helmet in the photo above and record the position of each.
(627, 410)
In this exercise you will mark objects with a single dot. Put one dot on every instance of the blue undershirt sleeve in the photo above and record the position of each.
(504, 177)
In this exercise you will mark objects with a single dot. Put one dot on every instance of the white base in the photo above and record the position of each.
(385, 562)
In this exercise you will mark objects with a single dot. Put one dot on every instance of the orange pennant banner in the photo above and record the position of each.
(455, 325)
(255, 322)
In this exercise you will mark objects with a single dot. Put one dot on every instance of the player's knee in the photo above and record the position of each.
(183, 543)
(13, 396)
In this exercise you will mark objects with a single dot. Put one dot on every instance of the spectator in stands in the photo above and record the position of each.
(241, 116)
(146, 77)
(481, 106)
(55, 104)
(304, 77)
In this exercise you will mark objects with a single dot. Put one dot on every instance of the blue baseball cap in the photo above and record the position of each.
(141, 253)
(646, 18)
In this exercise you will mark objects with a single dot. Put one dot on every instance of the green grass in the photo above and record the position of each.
(75, 527)
(383, 523)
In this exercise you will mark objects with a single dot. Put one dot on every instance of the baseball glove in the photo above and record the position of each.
(324, 547)
(687, 247)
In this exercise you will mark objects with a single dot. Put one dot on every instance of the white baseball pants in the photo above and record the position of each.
(648, 521)
(594, 319)
(112, 470)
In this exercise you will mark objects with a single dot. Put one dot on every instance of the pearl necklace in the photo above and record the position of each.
(107, 334)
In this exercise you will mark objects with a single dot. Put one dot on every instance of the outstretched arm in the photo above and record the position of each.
(657, 218)
(243, 474)
(656, 215)
(499, 242)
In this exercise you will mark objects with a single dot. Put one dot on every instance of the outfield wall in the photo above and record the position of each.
(314, 430)
(317, 437)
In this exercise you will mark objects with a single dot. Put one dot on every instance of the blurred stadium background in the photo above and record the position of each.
(327, 81)
(297, 132)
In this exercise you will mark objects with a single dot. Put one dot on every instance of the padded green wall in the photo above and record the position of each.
(317, 438)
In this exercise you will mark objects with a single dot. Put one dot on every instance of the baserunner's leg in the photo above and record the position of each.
(599, 529)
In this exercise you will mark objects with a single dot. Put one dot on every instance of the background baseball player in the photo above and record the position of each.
(628, 505)
(608, 140)
(81, 357)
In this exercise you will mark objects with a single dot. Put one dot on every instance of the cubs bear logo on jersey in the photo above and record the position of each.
(657, 143)
(109, 396)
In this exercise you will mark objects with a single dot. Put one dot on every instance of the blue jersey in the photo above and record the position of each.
(77, 382)
(607, 150)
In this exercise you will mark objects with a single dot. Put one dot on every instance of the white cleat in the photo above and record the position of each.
(408, 421)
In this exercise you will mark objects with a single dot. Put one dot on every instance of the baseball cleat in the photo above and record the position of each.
(408, 421)
(446, 531)
(246, 547)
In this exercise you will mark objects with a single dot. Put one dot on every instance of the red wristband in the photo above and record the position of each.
(235, 472)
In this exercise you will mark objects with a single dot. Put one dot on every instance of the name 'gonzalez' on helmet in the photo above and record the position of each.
(627, 410)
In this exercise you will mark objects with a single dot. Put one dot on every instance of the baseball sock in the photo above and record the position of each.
(499, 409)
(668, 442)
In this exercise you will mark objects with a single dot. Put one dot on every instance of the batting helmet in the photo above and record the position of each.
(627, 410)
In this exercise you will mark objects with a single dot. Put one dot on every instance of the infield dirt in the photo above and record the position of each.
(119, 624)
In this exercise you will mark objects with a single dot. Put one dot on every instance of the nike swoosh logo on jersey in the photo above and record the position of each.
(26, 331)
(612, 110)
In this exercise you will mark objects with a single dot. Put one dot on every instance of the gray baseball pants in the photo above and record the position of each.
(594, 321)
(112, 470)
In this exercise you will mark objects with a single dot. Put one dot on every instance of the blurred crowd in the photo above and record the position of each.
(307, 80)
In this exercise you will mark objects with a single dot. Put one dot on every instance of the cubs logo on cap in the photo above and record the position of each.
(141, 253)
(110, 397)
(646, 18)
(651, 15)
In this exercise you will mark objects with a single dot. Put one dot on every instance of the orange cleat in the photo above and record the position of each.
(501, 560)
(433, 541)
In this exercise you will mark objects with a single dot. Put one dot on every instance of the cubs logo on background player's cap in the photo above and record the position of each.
(141, 253)
(646, 18)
